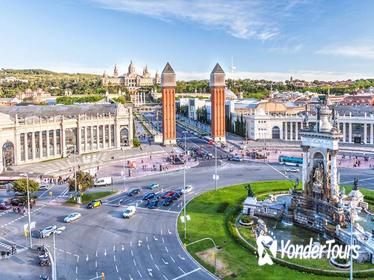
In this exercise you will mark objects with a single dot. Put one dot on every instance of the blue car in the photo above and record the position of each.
(167, 201)
(152, 203)
(149, 196)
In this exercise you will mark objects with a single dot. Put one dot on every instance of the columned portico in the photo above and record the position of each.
(35, 135)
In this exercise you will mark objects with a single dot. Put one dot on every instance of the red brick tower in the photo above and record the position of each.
(168, 85)
(217, 89)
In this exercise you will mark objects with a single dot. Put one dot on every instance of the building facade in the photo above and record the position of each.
(355, 123)
(31, 134)
(131, 79)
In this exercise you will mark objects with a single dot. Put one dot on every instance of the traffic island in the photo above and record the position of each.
(89, 196)
(215, 215)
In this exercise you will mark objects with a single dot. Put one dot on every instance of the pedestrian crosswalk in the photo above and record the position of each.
(5, 246)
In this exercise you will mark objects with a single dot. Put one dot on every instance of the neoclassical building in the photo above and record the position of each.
(36, 133)
(355, 122)
(131, 79)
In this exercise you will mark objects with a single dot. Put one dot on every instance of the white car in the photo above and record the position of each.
(72, 217)
(292, 170)
(46, 232)
(129, 211)
(187, 189)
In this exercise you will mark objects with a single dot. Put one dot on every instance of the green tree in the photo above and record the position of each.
(136, 142)
(20, 185)
(84, 182)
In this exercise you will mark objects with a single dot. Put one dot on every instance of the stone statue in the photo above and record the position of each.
(355, 184)
(249, 190)
(318, 173)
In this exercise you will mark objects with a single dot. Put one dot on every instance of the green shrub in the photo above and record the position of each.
(222, 207)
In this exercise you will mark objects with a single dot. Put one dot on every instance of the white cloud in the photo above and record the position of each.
(358, 51)
(258, 19)
(287, 49)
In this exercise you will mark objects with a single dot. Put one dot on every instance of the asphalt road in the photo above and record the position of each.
(145, 246)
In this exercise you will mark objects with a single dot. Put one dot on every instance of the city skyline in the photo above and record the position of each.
(300, 38)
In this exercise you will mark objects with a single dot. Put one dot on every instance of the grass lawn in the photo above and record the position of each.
(87, 197)
(206, 221)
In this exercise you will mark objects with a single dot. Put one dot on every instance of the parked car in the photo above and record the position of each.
(94, 203)
(17, 202)
(167, 201)
(47, 231)
(103, 182)
(4, 206)
(187, 189)
(153, 186)
(72, 217)
(148, 196)
(176, 195)
(152, 203)
(168, 194)
(133, 191)
(129, 211)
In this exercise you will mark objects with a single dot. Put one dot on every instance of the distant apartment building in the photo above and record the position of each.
(358, 100)
(131, 80)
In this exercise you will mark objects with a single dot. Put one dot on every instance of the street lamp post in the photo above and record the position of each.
(353, 213)
(28, 206)
(54, 256)
(184, 184)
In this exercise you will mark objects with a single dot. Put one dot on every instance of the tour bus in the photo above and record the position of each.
(288, 160)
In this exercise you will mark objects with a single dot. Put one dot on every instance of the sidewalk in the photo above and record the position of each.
(24, 265)
(86, 161)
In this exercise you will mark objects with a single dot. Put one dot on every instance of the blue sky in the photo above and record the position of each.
(271, 39)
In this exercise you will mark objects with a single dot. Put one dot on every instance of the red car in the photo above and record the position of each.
(3, 206)
(168, 194)
(210, 142)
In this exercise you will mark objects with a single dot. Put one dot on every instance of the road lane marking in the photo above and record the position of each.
(157, 267)
(182, 258)
(123, 247)
(132, 253)
(150, 272)
(165, 262)
(185, 274)
(181, 269)
(148, 247)
(155, 238)
(166, 248)
(133, 260)
(114, 258)
(130, 277)
(150, 254)
(141, 276)
(165, 277)
(163, 241)
(172, 259)
(105, 252)
(96, 264)
(116, 268)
